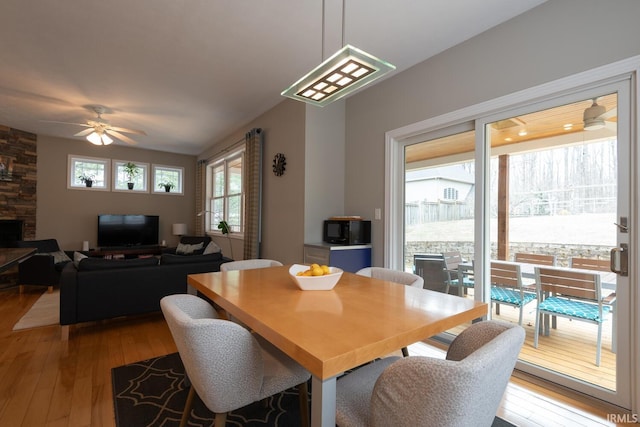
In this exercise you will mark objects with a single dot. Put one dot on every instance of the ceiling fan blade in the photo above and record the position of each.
(121, 136)
(84, 132)
(119, 129)
(66, 123)
(611, 113)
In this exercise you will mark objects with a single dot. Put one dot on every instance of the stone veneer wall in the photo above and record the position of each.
(563, 252)
(18, 196)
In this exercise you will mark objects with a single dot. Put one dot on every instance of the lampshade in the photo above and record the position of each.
(179, 229)
(345, 71)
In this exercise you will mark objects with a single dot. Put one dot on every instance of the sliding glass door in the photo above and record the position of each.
(549, 178)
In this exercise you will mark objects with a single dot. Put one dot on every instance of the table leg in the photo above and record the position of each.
(323, 402)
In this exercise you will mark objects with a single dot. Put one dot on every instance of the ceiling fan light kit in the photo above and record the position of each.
(99, 138)
(344, 72)
(100, 132)
(593, 116)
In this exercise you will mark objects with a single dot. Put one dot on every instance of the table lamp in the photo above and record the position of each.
(179, 229)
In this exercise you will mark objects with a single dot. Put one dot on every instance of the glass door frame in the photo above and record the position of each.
(486, 112)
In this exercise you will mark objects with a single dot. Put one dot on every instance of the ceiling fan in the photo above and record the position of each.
(595, 117)
(99, 131)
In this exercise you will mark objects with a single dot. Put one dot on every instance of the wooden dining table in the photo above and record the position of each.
(330, 332)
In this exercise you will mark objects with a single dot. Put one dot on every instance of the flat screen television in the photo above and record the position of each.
(127, 230)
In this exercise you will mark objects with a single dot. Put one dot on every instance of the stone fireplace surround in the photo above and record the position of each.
(18, 192)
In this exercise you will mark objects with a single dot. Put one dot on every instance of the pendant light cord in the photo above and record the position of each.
(343, 13)
(322, 52)
(323, 25)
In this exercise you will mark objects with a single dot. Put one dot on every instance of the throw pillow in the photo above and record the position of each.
(184, 249)
(58, 256)
(212, 248)
(77, 257)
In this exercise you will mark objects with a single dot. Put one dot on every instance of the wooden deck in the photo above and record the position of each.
(570, 349)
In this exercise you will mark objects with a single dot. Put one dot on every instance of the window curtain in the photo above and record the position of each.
(253, 193)
(201, 174)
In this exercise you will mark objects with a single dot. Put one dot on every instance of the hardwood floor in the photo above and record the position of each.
(47, 382)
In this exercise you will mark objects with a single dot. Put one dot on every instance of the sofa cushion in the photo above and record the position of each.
(212, 248)
(42, 246)
(58, 256)
(93, 264)
(77, 257)
(187, 249)
(182, 259)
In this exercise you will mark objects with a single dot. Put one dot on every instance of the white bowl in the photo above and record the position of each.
(315, 283)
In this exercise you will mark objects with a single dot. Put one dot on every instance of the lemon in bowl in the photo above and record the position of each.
(315, 277)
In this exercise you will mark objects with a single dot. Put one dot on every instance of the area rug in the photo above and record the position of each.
(152, 393)
(44, 312)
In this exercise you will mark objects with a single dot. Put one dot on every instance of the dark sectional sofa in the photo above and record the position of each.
(96, 289)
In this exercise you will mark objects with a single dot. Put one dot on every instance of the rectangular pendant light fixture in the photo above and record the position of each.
(345, 71)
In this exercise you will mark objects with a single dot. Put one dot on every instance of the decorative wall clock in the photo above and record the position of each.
(279, 162)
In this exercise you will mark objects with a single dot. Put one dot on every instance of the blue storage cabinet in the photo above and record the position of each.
(347, 257)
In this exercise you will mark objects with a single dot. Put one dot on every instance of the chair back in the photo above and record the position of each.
(249, 264)
(214, 352)
(42, 246)
(463, 390)
(506, 275)
(591, 264)
(402, 277)
(568, 283)
(452, 260)
(539, 259)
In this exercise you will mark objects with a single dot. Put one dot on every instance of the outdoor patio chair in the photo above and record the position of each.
(507, 288)
(539, 259)
(455, 277)
(571, 294)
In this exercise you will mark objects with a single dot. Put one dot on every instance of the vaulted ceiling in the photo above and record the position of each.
(191, 72)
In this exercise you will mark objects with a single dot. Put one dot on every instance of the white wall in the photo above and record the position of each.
(557, 39)
(324, 167)
(282, 196)
(71, 216)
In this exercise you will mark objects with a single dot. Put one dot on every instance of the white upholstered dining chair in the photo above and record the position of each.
(227, 366)
(465, 389)
(395, 276)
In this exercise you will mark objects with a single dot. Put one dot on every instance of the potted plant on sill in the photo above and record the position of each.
(167, 185)
(131, 170)
(224, 228)
(87, 179)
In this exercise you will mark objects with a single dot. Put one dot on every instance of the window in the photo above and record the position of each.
(172, 175)
(450, 194)
(122, 180)
(225, 196)
(82, 169)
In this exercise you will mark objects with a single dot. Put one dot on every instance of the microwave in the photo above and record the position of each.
(346, 232)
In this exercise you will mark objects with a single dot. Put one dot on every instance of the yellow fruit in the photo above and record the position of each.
(325, 269)
(317, 271)
(314, 266)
